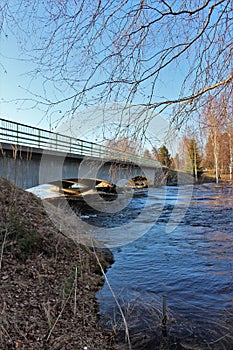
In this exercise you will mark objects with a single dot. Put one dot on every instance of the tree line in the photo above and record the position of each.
(205, 147)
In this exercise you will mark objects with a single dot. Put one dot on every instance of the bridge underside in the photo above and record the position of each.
(77, 186)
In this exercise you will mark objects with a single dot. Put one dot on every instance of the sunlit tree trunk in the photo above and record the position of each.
(195, 164)
(216, 121)
(215, 144)
(231, 161)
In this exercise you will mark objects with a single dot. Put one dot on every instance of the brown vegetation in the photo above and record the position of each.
(48, 282)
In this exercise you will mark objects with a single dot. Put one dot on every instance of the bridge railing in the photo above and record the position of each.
(20, 134)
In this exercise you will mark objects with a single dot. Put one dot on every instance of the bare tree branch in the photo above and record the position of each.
(120, 51)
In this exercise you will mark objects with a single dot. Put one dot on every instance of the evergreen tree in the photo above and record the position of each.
(164, 156)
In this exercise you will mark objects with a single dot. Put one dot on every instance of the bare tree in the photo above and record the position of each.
(124, 144)
(147, 153)
(190, 154)
(96, 52)
(217, 123)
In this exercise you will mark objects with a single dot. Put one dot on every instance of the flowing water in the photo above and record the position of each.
(173, 270)
(190, 267)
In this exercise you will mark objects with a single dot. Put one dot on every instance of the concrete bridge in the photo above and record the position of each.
(31, 156)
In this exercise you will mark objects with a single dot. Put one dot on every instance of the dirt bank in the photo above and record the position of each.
(48, 281)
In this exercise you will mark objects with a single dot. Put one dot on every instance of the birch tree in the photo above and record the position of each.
(217, 123)
(194, 159)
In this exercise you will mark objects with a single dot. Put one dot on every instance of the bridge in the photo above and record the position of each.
(31, 156)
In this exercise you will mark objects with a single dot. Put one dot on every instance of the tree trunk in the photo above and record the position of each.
(216, 156)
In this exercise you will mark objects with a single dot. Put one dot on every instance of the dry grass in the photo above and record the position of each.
(144, 315)
(48, 281)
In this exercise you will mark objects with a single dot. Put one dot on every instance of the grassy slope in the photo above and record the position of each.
(48, 282)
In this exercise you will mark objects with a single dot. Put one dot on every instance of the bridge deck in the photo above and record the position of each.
(17, 134)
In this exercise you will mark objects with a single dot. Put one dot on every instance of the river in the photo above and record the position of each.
(191, 268)
(173, 249)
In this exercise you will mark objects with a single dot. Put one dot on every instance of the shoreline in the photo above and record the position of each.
(48, 281)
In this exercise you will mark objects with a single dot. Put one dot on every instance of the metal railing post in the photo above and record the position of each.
(39, 138)
(81, 147)
(17, 134)
(70, 145)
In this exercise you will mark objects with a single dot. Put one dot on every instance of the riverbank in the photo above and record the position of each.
(48, 281)
(175, 177)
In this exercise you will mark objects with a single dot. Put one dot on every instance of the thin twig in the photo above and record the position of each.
(57, 319)
(115, 298)
(75, 290)
(2, 249)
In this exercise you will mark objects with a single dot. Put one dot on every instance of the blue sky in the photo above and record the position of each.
(15, 81)
(17, 86)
